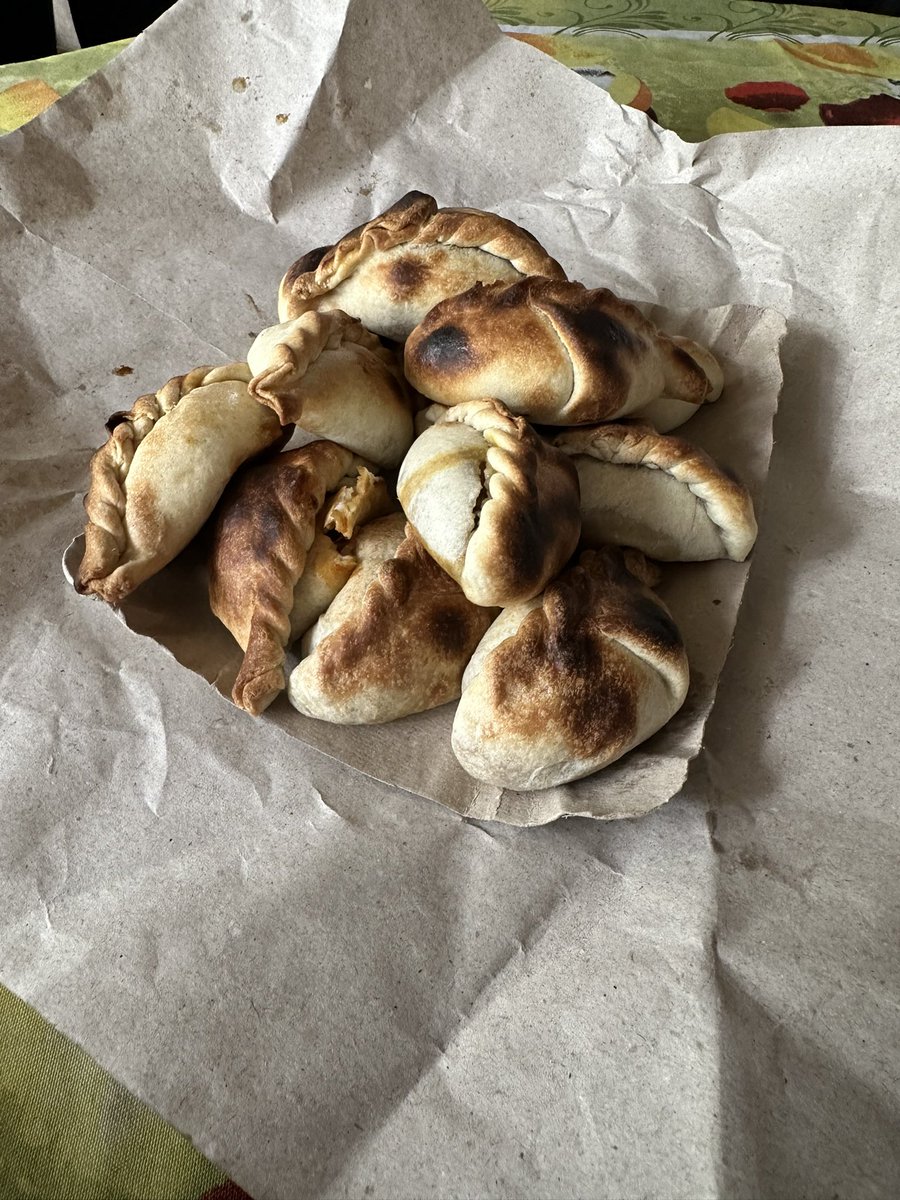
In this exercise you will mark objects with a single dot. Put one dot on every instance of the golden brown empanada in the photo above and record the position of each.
(161, 471)
(264, 530)
(397, 642)
(327, 374)
(554, 352)
(495, 505)
(568, 682)
(392, 270)
(658, 493)
(326, 570)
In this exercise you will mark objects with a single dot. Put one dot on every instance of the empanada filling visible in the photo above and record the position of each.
(360, 497)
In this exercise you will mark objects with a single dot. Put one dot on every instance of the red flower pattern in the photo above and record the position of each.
(768, 97)
(873, 110)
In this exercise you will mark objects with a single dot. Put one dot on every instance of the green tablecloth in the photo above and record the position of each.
(68, 1131)
(699, 67)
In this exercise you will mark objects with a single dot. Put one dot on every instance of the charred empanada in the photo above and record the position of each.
(570, 681)
(392, 270)
(263, 584)
(657, 493)
(495, 505)
(328, 375)
(161, 471)
(556, 353)
(395, 641)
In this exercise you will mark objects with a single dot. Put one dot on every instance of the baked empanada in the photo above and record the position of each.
(327, 374)
(554, 352)
(392, 270)
(568, 682)
(161, 471)
(394, 642)
(657, 493)
(325, 572)
(264, 530)
(495, 505)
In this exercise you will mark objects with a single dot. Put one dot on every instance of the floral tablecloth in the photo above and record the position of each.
(68, 1131)
(700, 67)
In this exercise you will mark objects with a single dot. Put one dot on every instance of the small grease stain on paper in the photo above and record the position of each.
(123, 370)
(253, 304)
(239, 83)
(281, 118)
(212, 126)
(245, 16)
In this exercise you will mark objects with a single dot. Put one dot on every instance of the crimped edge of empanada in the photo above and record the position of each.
(511, 475)
(727, 502)
(414, 219)
(289, 490)
(105, 537)
(305, 339)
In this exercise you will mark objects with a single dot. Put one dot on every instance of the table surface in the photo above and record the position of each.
(704, 67)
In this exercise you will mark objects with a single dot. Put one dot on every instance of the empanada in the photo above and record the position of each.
(397, 643)
(554, 352)
(325, 572)
(265, 527)
(666, 412)
(161, 471)
(568, 682)
(392, 270)
(327, 374)
(657, 493)
(495, 505)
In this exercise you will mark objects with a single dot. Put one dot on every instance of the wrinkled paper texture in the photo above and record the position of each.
(335, 988)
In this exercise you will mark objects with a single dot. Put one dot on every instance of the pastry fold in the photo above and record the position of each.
(494, 504)
(161, 471)
(392, 270)
(273, 569)
(327, 374)
(556, 353)
(567, 683)
(658, 493)
(396, 640)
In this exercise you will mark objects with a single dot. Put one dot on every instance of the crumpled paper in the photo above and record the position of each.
(335, 988)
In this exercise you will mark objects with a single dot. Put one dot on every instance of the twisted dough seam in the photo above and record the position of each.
(305, 340)
(513, 447)
(261, 676)
(105, 535)
(417, 220)
(727, 503)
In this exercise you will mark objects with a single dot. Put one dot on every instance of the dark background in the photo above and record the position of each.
(97, 22)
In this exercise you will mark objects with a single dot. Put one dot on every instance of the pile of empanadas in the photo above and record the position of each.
(490, 478)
